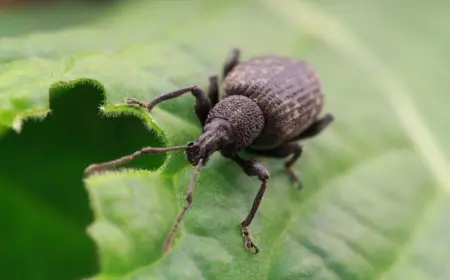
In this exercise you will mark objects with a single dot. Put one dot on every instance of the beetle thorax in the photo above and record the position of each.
(243, 115)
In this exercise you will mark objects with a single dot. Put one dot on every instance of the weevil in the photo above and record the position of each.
(269, 104)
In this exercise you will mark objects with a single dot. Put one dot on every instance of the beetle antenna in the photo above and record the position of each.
(168, 243)
(144, 151)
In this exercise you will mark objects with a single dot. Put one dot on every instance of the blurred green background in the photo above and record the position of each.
(393, 96)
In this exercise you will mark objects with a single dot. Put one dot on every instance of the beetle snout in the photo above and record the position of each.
(193, 153)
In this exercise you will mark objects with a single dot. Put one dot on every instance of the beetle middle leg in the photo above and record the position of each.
(252, 168)
(202, 103)
(282, 151)
(231, 61)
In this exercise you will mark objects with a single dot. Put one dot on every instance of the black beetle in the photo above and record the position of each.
(270, 103)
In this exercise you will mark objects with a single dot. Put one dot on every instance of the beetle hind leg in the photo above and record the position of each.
(315, 128)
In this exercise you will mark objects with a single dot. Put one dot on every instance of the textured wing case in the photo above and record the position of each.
(288, 92)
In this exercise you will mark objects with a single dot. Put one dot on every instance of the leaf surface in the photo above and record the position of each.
(376, 197)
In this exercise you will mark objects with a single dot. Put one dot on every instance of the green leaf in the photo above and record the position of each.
(376, 199)
(20, 20)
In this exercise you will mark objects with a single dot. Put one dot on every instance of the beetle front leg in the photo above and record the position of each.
(202, 104)
(252, 168)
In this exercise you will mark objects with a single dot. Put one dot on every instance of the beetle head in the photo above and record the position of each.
(216, 134)
(194, 153)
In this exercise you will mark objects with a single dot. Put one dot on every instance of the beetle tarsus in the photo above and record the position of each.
(248, 242)
(133, 101)
(252, 168)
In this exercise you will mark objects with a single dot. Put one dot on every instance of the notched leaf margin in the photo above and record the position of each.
(104, 110)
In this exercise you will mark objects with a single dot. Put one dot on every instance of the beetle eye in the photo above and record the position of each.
(190, 143)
